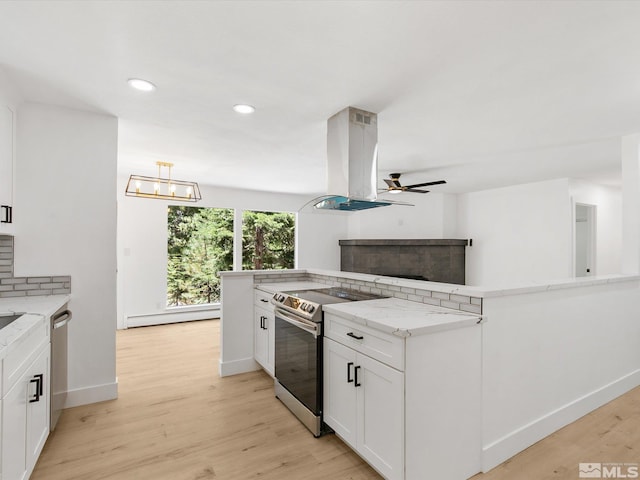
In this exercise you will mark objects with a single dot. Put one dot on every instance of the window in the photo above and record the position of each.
(268, 240)
(200, 244)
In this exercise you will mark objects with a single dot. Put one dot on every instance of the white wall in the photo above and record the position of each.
(630, 154)
(65, 216)
(432, 216)
(520, 233)
(142, 241)
(608, 202)
(552, 356)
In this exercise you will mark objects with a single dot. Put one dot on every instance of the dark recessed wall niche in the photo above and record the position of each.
(439, 260)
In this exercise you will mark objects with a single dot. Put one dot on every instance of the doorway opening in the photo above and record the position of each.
(585, 240)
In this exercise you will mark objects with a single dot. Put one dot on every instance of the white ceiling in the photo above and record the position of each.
(481, 93)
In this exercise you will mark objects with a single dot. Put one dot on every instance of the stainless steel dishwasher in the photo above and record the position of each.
(58, 375)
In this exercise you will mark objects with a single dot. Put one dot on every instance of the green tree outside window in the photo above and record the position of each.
(200, 245)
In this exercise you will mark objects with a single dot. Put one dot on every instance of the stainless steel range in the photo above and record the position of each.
(298, 350)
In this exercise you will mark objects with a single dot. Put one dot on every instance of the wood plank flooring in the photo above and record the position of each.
(175, 419)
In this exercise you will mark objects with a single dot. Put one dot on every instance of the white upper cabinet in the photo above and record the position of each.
(7, 164)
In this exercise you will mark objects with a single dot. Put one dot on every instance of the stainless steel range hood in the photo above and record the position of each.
(352, 163)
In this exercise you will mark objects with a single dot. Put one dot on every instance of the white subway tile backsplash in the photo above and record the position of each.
(12, 294)
(459, 298)
(26, 286)
(471, 308)
(440, 295)
(38, 279)
(430, 297)
(33, 293)
(431, 301)
(448, 304)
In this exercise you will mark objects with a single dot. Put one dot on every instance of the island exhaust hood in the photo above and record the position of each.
(352, 163)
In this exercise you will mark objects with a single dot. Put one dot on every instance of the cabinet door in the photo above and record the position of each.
(6, 163)
(260, 336)
(339, 409)
(14, 432)
(38, 408)
(270, 323)
(380, 409)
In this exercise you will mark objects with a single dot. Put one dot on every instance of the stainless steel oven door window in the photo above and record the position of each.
(298, 358)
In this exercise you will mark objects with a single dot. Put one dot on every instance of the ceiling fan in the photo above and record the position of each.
(394, 185)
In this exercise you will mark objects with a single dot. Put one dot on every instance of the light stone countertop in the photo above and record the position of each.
(390, 315)
(402, 317)
(35, 307)
(483, 291)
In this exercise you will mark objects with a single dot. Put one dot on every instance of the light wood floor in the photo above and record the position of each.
(175, 419)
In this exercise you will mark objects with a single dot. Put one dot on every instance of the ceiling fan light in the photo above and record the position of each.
(395, 191)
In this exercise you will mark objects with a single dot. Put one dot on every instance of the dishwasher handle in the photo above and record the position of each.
(61, 319)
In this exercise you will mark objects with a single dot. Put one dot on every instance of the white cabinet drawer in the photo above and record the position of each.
(262, 299)
(384, 347)
(21, 353)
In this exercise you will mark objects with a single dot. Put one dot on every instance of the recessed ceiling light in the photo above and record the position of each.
(242, 108)
(142, 85)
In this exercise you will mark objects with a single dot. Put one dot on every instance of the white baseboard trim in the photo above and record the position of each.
(93, 394)
(497, 452)
(170, 317)
(234, 367)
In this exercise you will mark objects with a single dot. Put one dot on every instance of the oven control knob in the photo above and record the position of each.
(303, 307)
(310, 309)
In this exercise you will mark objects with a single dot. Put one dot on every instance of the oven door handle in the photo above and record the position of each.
(301, 323)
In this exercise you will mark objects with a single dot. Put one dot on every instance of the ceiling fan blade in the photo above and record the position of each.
(415, 190)
(389, 182)
(426, 184)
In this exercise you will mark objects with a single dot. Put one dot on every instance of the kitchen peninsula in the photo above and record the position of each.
(543, 355)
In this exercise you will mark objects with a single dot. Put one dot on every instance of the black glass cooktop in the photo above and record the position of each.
(325, 296)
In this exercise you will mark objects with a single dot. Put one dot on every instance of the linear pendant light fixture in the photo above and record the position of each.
(162, 188)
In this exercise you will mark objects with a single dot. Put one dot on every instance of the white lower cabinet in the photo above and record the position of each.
(364, 404)
(264, 339)
(25, 418)
(409, 406)
(264, 332)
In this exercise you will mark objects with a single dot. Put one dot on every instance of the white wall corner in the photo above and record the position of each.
(235, 367)
(92, 394)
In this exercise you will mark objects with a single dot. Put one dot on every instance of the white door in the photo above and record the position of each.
(339, 400)
(585, 240)
(381, 416)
